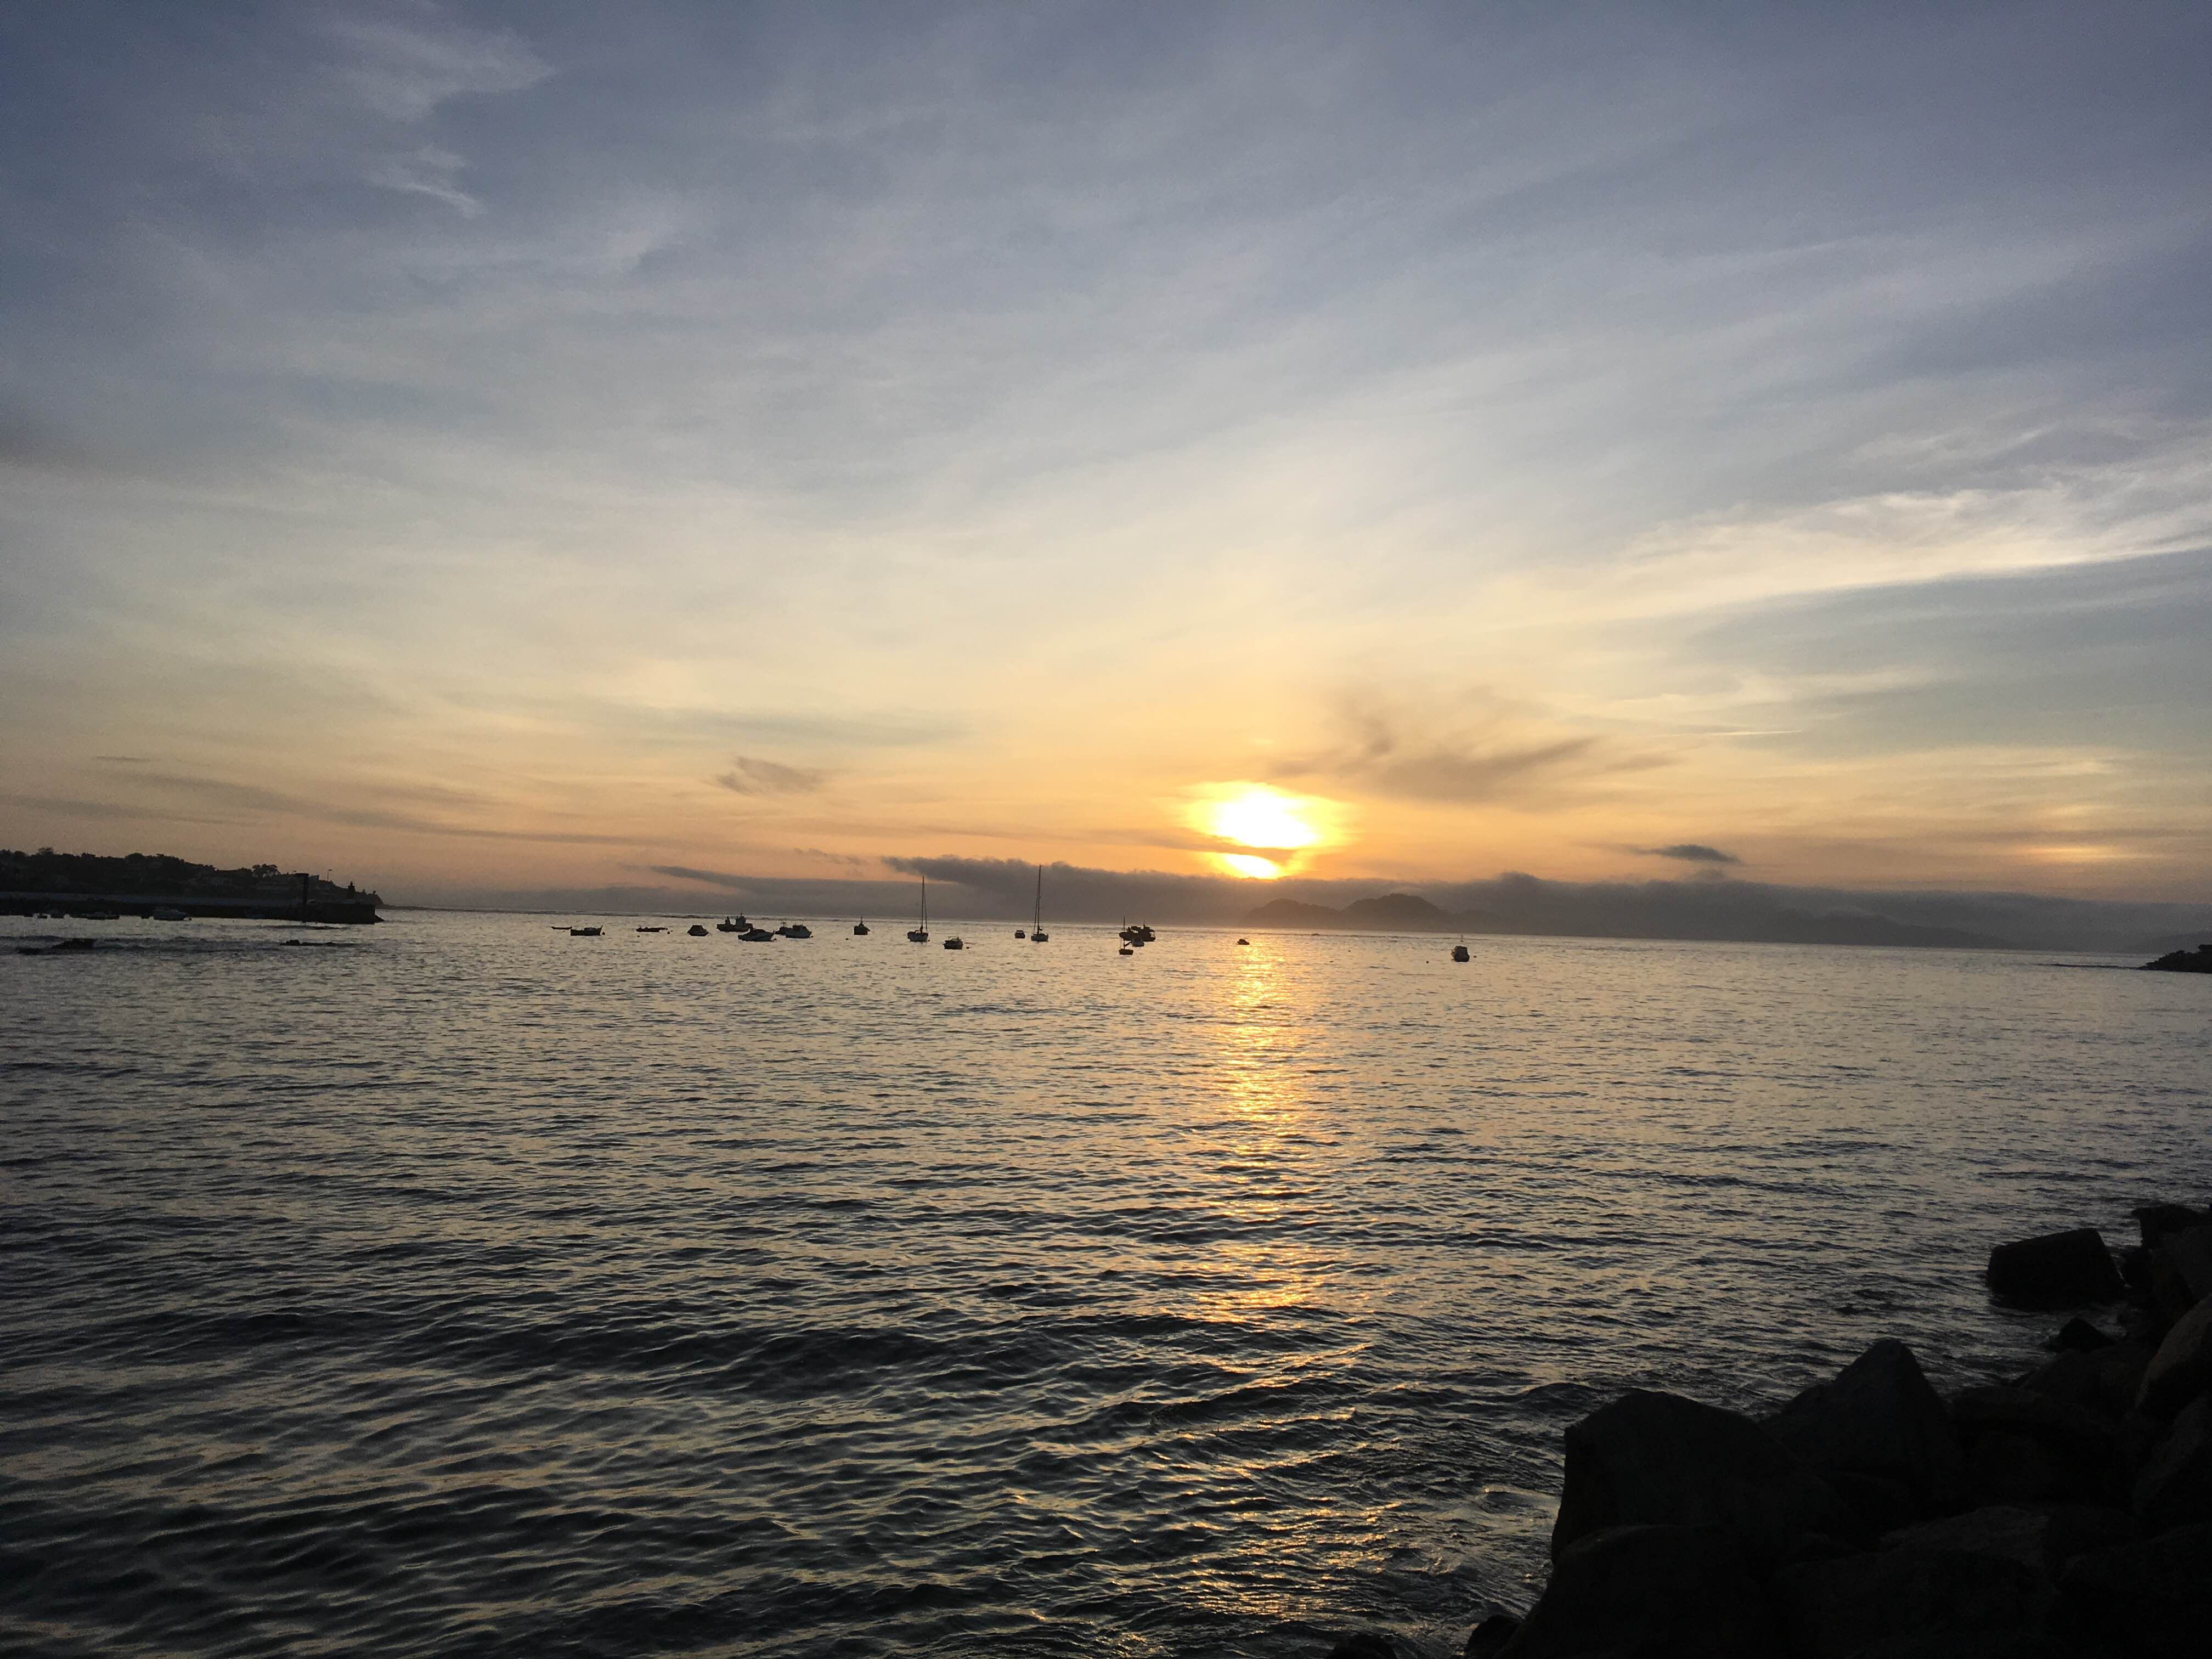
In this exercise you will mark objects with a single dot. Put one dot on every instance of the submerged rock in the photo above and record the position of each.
(1487, 1640)
(1657, 1459)
(1878, 1418)
(2078, 1335)
(2058, 1270)
(1650, 1591)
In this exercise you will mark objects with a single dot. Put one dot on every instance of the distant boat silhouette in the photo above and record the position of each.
(1019, 933)
(1126, 950)
(1037, 934)
(795, 930)
(920, 932)
(1459, 953)
(860, 928)
(756, 936)
(1139, 934)
(731, 924)
(955, 943)
(1243, 941)
(698, 930)
(652, 930)
(585, 932)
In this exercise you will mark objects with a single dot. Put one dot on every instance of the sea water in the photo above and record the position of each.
(459, 1286)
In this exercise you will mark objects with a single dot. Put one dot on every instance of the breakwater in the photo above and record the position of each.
(2067, 1511)
(316, 908)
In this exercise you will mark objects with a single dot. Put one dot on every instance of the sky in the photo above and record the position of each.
(475, 448)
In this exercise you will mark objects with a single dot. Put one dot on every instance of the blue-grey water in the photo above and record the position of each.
(459, 1287)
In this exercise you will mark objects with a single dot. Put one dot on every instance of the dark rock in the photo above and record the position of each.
(1660, 1459)
(2058, 1270)
(2103, 1380)
(1878, 1417)
(2155, 1595)
(2043, 1536)
(2155, 1221)
(2190, 1253)
(1644, 1592)
(2175, 1486)
(2181, 1370)
(1862, 1604)
(1364, 1644)
(2079, 1336)
(2023, 1446)
(1488, 1639)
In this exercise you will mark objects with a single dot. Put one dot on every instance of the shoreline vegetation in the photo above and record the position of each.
(88, 885)
(2065, 1512)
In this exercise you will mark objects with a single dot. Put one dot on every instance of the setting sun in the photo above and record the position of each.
(1269, 827)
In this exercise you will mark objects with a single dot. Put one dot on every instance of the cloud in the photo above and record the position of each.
(750, 776)
(1415, 754)
(405, 71)
(1691, 852)
(429, 171)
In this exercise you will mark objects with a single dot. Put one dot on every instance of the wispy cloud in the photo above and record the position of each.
(1692, 852)
(748, 776)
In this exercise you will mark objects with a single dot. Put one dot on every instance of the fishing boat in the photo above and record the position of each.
(1460, 953)
(860, 929)
(1037, 934)
(731, 924)
(1139, 934)
(920, 932)
(955, 943)
(795, 930)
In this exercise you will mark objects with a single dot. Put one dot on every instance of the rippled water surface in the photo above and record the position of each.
(460, 1287)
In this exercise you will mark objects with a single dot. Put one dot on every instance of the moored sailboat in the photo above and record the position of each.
(1037, 934)
(920, 932)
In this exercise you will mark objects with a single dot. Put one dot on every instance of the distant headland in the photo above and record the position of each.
(1407, 913)
(141, 884)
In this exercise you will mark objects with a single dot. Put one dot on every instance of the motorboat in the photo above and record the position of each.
(860, 929)
(795, 930)
(1126, 950)
(585, 932)
(731, 924)
(955, 943)
(1021, 932)
(1138, 934)
(698, 930)
(652, 930)
(1460, 953)
(168, 913)
(756, 936)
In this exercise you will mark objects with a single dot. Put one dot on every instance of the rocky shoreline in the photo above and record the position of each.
(2068, 1512)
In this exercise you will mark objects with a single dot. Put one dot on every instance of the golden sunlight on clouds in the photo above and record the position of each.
(1272, 828)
